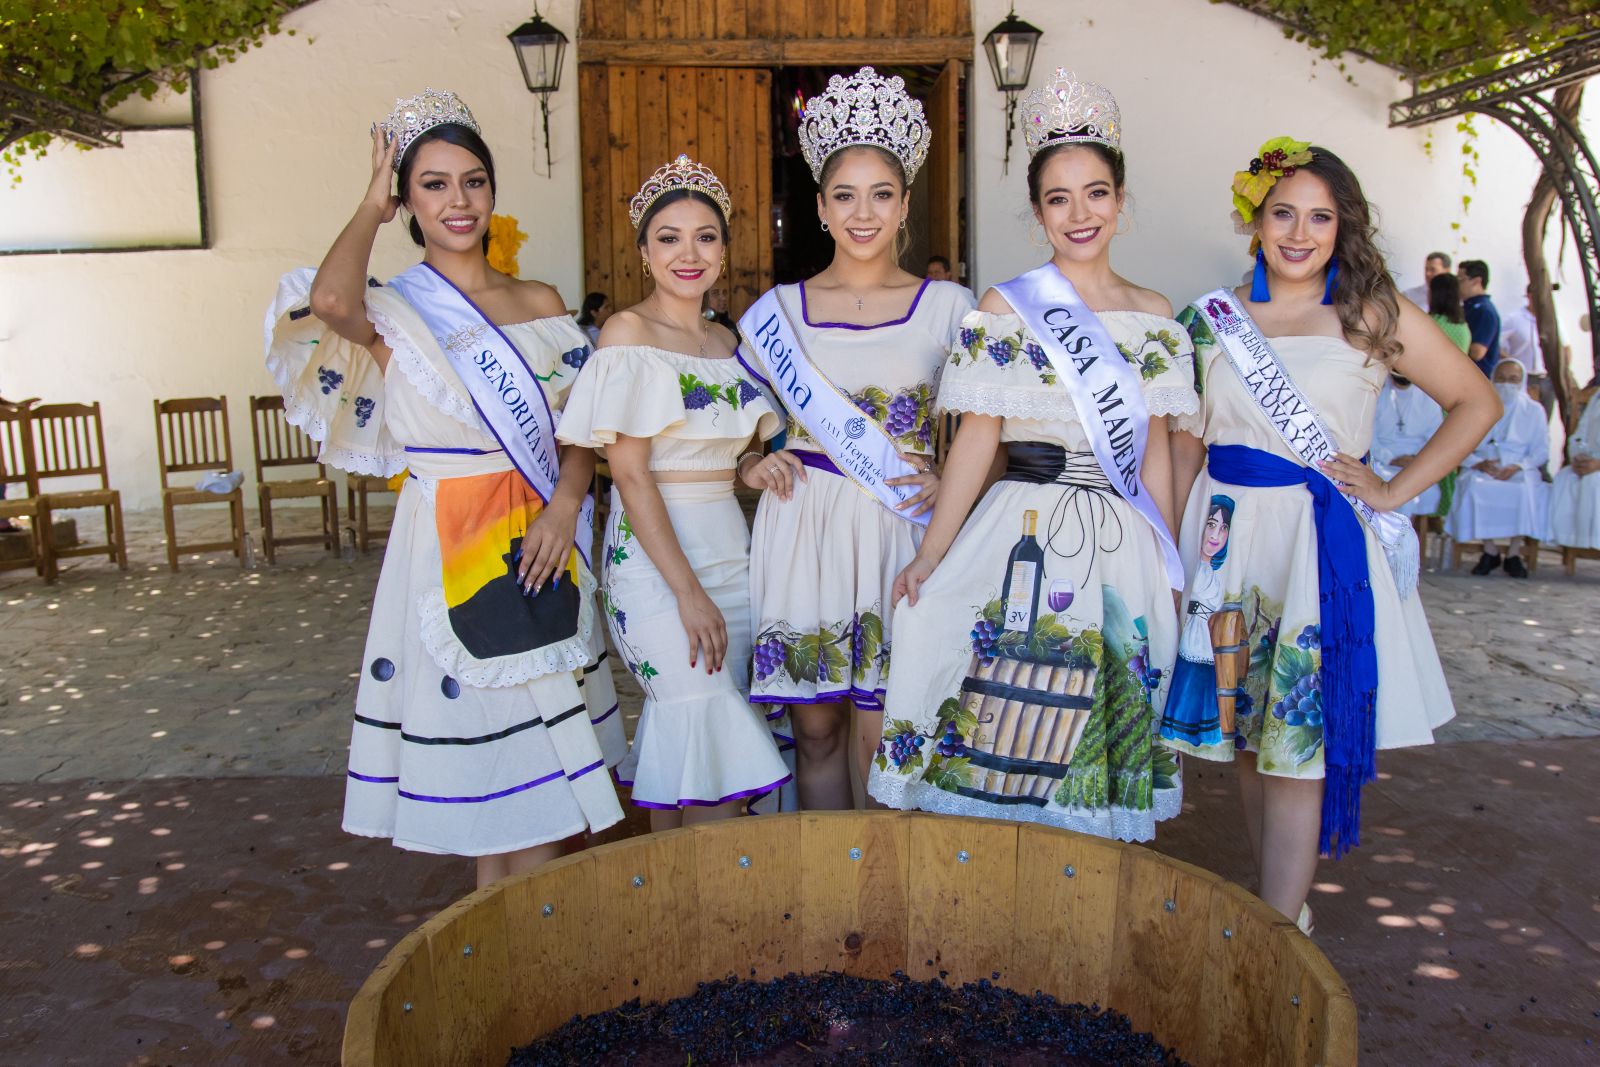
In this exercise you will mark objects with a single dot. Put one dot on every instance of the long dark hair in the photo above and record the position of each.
(591, 303)
(1364, 294)
(451, 133)
(1444, 297)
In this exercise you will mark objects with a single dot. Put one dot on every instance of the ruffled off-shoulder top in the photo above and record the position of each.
(698, 412)
(997, 367)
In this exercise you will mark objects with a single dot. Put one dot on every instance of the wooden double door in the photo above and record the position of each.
(635, 117)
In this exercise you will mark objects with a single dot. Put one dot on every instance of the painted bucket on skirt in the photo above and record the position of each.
(1031, 714)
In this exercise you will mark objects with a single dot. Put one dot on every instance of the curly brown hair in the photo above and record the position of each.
(1364, 293)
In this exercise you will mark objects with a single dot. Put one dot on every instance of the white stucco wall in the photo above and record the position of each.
(285, 141)
(1201, 85)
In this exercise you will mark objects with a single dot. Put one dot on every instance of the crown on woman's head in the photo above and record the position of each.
(681, 173)
(415, 115)
(1068, 111)
(865, 109)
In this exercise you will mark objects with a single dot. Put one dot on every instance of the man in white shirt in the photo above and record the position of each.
(1519, 340)
(1405, 419)
(1436, 263)
(1500, 493)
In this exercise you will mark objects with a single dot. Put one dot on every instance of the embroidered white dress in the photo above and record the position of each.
(1052, 720)
(699, 740)
(1486, 508)
(823, 562)
(1575, 498)
(1405, 420)
(449, 753)
(1268, 627)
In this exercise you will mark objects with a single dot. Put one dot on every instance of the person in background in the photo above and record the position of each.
(1519, 340)
(1575, 497)
(938, 270)
(716, 308)
(1444, 305)
(1436, 264)
(593, 315)
(1483, 318)
(1500, 493)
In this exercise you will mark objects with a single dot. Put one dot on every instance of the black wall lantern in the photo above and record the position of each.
(540, 50)
(1011, 46)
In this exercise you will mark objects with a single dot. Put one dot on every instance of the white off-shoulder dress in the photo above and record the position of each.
(449, 752)
(1047, 713)
(699, 740)
(824, 561)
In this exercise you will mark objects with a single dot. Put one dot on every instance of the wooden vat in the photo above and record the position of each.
(1213, 972)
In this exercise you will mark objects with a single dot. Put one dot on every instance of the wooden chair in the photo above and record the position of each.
(192, 435)
(357, 488)
(1530, 553)
(280, 444)
(1570, 557)
(1426, 525)
(17, 470)
(69, 442)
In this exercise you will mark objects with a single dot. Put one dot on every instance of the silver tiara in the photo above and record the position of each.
(1068, 110)
(681, 173)
(415, 115)
(865, 109)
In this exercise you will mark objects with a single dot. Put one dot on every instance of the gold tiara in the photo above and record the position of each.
(681, 173)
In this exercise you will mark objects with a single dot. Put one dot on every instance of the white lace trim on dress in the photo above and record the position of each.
(1006, 401)
(439, 638)
(421, 373)
(1120, 824)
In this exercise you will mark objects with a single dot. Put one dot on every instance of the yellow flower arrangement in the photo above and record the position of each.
(504, 240)
(1278, 158)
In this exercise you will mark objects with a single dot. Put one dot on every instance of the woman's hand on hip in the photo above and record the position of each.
(545, 547)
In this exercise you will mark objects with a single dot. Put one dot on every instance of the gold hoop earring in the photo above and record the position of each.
(1041, 241)
(645, 260)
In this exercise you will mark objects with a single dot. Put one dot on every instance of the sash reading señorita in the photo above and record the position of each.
(1106, 390)
(482, 518)
(858, 446)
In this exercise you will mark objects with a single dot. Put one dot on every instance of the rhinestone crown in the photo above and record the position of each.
(681, 173)
(415, 115)
(865, 109)
(1068, 110)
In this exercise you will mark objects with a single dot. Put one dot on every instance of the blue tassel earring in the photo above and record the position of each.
(1259, 293)
(1333, 278)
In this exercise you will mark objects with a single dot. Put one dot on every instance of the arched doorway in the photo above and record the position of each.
(659, 77)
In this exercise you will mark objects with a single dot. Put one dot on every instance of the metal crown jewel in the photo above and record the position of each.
(681, 173)
(415, 115)
(1068, 110)
(865, 109)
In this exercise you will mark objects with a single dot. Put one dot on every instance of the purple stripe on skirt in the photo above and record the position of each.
(424, 798)
(371, 778)
(593, 766)
(763, 791)
(607, 715)
(863, 700)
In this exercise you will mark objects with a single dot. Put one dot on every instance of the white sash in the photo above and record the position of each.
(858, 446)
(1106, 391)
(1297, 422)
(504, 389)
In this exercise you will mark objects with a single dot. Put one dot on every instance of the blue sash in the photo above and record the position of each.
(1348, 619)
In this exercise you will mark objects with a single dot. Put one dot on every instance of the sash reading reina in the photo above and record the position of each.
(858, 446)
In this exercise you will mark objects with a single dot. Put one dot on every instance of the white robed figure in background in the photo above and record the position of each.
(1575, 498)
(1501, 496)
(1405, 419)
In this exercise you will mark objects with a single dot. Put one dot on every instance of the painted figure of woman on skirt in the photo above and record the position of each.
(1322, 653)
(485, 718)
(1032, 646)
(853, 354)
(666, 398)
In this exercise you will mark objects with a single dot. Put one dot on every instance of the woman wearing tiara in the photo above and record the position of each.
(1320, 652)
(673, 408)
(1031, 639)
(854, 355)
(485, 717)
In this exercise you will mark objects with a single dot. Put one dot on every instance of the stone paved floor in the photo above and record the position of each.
(174, 887)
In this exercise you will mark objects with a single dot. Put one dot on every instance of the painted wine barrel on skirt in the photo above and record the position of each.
(1228, 645)
(1031, 716)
